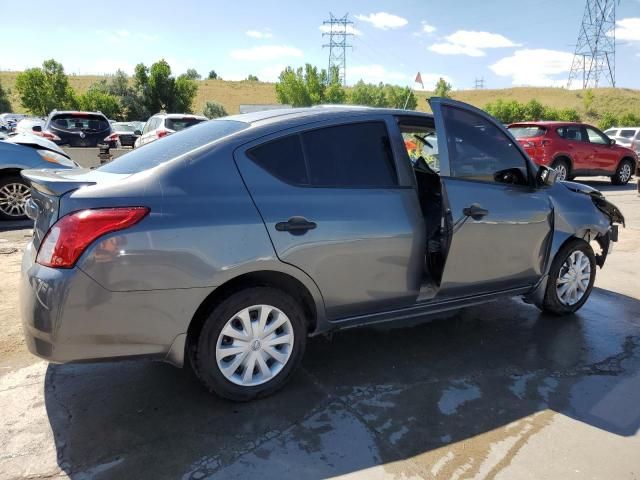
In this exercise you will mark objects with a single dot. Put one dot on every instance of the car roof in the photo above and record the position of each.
(317, 113)
(179, 115)
(546, 123)
(74, 112)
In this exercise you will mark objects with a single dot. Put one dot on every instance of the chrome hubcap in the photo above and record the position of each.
(625, 172)
(254, 345)
(13, 198)
(562, 172)
(574, 278)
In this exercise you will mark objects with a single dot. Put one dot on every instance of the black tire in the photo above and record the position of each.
(559, 164)
(552, 303)
(4, 182)
(621, 177)
(203, 350)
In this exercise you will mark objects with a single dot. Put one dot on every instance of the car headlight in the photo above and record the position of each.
(53, 157)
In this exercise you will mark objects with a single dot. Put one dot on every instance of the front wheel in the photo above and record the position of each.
(623, 173)
(250, 344)
(14, 194)
(571, 278)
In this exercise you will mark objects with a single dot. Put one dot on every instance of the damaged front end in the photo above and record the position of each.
(609, 209)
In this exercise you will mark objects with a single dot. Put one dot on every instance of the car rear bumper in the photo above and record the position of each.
(68, 317)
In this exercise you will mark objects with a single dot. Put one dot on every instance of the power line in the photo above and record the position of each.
(338, 33)
(595, 54)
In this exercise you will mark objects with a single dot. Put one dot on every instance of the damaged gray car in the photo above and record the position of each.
(228, 244)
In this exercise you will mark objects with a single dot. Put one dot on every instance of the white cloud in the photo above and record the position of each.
(264, 34)
(266, 53)
(628, 29)
(125, 36)
(383, 20)
(427, 28)
(376, 73)
(536, 67)
(471, 43)
(350, 29)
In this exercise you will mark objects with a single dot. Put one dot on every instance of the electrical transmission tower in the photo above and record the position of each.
(595, 54)
(338, 34)
(479, 83)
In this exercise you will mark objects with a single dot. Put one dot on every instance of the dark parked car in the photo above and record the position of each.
(123, 134)
(575, 149)
(19, 152)
(228, 243)
(77, 129)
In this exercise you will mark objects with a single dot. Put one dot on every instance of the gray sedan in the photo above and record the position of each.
(228, 244)
(20, 152)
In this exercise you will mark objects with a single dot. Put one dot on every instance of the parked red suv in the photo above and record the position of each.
(575, 149)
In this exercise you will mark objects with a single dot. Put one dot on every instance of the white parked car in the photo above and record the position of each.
(26, 125)
(626, 136)
(163, 124)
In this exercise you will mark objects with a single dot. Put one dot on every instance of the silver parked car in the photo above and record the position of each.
(19, 152)
(229, 243)
(163, 124)
(626, 136)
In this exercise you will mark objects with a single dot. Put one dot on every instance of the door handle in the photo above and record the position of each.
(296, 225)
(475, 211)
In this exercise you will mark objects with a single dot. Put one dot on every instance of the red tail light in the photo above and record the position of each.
(50, 136)
(70, 236)
(111, 138)
(162, 133)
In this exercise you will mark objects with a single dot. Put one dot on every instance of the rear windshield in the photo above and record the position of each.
(178, 124)
(627, 133)
(172, 146)
(81, 121)
(527, 131)
(123, 127)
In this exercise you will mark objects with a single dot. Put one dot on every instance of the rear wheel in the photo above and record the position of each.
(623, 172)
(562, 167)
(571, 278)
(250, 344)
(14, 194)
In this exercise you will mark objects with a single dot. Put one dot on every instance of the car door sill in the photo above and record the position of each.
(425, 309)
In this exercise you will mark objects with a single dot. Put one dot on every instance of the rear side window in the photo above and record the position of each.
(155, 153)
(611, 133)
(627, 133)
(572, 132)
(354, 155)
(527, 131)
(283, 159)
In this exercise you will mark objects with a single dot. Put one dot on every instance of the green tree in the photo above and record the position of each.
(308, 86)
(5, 103)
(212, 75)
(400, 97)
(252, 78)
(533, 110)
(629, 120)
(607, 120)
(506, 111)
(443, 89)
(43, 89)
(214, 110)
(368, 94)
(97, 100)
(185, 90)
(193, 74)
(159, 91)
(568, 115)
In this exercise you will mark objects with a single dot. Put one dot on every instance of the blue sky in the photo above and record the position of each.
(505, 42)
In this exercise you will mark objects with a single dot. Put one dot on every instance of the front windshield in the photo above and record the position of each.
(172, 146)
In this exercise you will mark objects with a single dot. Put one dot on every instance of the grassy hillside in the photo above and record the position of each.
(232, 94)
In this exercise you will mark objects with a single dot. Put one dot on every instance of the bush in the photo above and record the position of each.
(607, 120)
(512, 111)
(213, 110)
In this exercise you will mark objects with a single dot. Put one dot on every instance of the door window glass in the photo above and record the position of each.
(597, 137)
(352, 155)
(627, 133)
(478, 150)
(421, 143)
(572, 132)
(282, 158)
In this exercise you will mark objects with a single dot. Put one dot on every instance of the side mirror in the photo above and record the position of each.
(137, 132)
(36, 128)
(612, 141)
(546, 176)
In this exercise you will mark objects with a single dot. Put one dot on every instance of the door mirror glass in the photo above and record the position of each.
(612, 141)
(36, 128)
(137, 132)
(546, 176)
